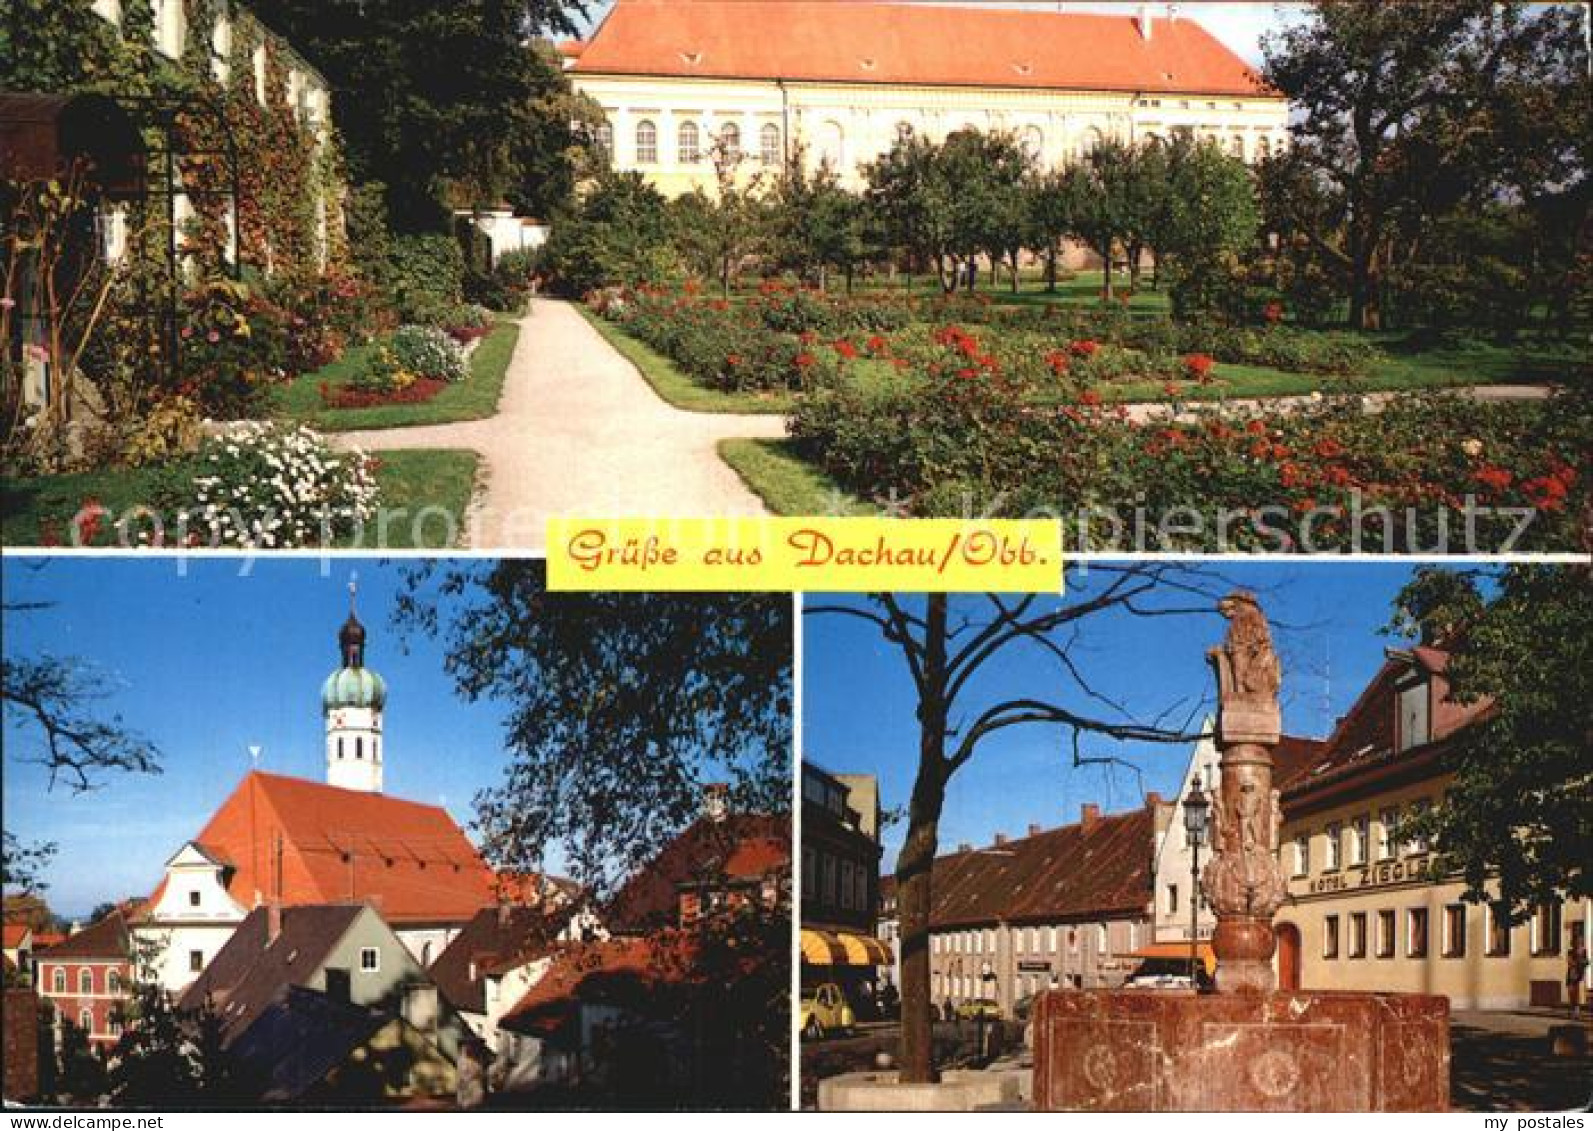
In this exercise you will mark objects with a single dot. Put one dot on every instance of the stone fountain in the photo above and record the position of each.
(1247, 1046)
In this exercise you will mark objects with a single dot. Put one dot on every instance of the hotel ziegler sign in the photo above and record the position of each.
(1374, 875)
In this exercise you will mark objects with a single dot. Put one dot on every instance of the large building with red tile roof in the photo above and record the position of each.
(839, 82)
(1368, 910)
(296, 842)
(1064, 906)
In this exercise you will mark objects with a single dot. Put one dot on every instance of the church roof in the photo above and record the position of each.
(408, 860)
(907, 44)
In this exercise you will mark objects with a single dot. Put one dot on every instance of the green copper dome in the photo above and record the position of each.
(353, 687)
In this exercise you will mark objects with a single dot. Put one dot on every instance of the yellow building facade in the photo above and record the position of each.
(755, 80)
(1367, 910)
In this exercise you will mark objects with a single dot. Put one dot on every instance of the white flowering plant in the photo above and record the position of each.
(427, 351)
(268, 486)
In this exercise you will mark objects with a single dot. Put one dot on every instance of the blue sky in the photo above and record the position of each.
(1239, 25)
(858, 700)
(206, 665)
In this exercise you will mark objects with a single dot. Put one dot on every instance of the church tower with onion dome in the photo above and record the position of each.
(352, 699)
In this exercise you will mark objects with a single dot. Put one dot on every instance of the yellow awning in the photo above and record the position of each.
(1178, 951)
(843, 948)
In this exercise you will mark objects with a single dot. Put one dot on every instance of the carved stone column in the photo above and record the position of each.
(1243, 883)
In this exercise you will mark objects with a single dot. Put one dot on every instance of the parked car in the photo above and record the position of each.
(825, 1011)
(979, 1009)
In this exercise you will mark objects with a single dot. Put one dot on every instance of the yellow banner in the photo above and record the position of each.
(814, 555)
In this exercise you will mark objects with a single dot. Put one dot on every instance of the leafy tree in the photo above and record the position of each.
(619, 233)
(620, 707)
(997, 202)
(818, 225)
(1097, 191)
(49, 697)
(1050, 219)
(715, 233)
(1407, 110)
(1148, 202)
(1210, 216)
(22, 864)
(80, 1073)
(1520, 639)
(443, 103)
(945, 647)
(916, 207)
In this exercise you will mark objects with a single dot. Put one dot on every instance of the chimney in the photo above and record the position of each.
(503, 915)
(716, 801)
(1153, 799)
(1144, 21)
(1001, 838)
(273, 921)
(1089, 815)
(1034, 829)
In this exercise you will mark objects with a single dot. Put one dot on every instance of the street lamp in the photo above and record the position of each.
(1196, 810)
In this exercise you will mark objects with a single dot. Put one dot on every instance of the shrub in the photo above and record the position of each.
(269, 486)
(382, 374)
(235, 344)
(426, 351)
(426, 276)
(169, 430)
(948, 443)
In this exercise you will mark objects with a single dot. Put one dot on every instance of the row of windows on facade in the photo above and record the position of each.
(1027, 940)
(1360, 841)
(837, 883)
(1544, 929)
(690, 148)
(170, 35)
(966, 986)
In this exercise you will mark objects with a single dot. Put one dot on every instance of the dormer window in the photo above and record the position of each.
(1413, 725)
(1023, 68)
(691, 58)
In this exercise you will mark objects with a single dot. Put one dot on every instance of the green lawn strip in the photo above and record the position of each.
(419, 487)
(40, 510)
(676, 387)
(474, 398)
(787, 484)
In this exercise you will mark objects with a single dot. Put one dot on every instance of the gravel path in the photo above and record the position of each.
(580, 431)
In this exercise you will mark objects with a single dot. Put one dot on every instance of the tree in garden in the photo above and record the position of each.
(818, 225)
(1148, 201)
(620, 232)
(1050, 219)
(1520, 639)
(1097, 194)
(914, 210)
(1406, 107)
(998, 201)
(620, 707)
(1210, 215)
(945, 644)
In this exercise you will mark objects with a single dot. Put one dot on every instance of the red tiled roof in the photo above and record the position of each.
(1364, 738)
(877, 43)
(743, 847)
(15, 935)
(106, 939)
(410, 861)
(1076, 872)
(1292, 756)
(495, 940)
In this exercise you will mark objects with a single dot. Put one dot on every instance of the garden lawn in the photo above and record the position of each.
(474, 398)
(39, 511)
(788, 484)
(676, 387)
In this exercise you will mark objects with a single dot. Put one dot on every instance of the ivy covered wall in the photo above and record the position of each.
(272, 102)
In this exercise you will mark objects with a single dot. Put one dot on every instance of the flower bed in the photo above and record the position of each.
(418, 391)
(783, 339)
(956, 444)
